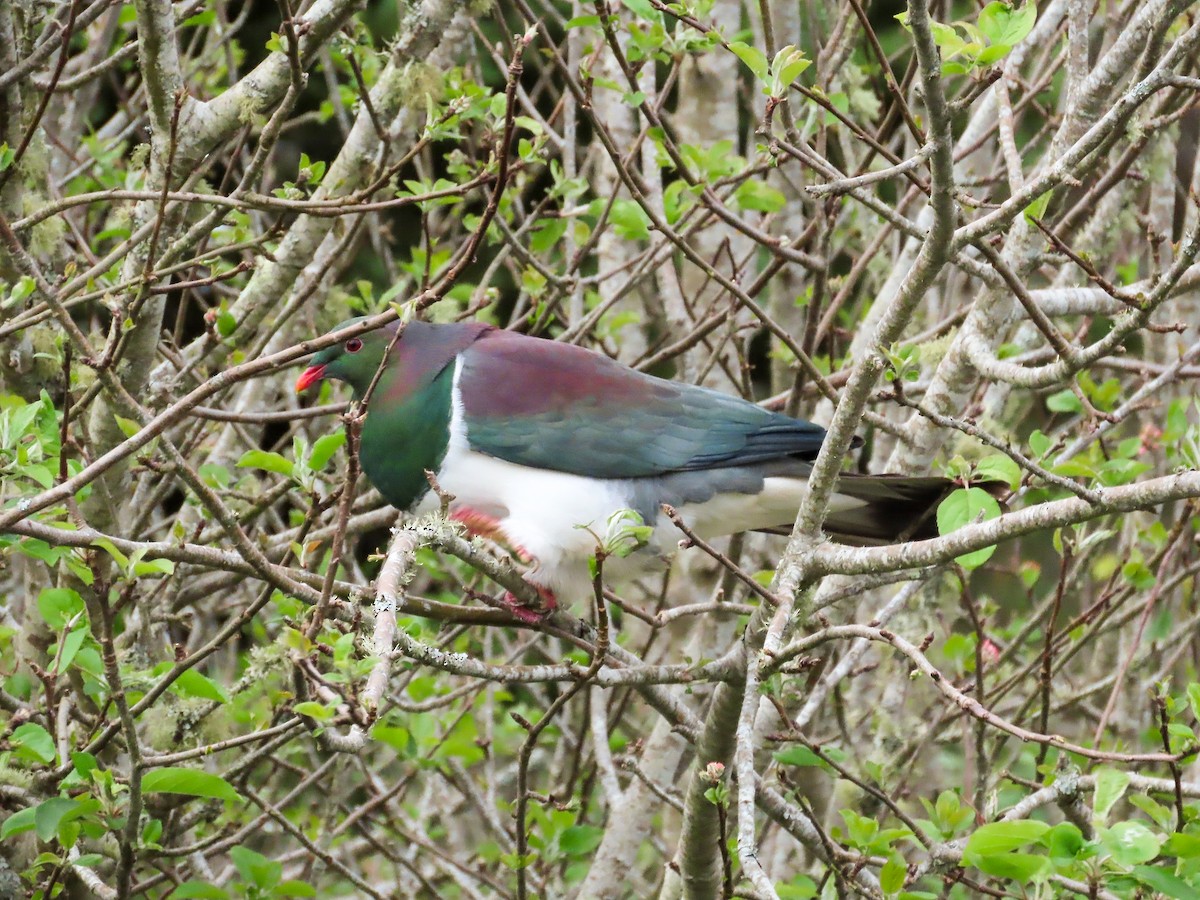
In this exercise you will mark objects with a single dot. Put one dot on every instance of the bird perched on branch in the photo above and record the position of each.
(541, 443)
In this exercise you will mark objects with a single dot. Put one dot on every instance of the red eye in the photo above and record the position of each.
(353, 345)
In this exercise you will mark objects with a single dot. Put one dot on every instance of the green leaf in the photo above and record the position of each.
(1183, 846)
(1130, 843)
(88, 660)
(1037, 209)
(948, 812)
(323, 449)
(1022, 867)
(70, 647)
(949, 41)
(754, 59)
(33, 742)
(800, 887)
(106, 545)
(999, 467)
(1064, 841)
(1110, 787)
(1159, 814)
(799, 756)
(41, 474)
(264, 459)
(399, 739)
(860, 830)
(1002, 837)
(313, 710)
(198, 890)
(788, 65)
(630, 220)
(226, 323)
(18, 823)
(49, 814)
(84, 763)
(215, 475)
(1137, 573)
(192, 782)
(1039, 443)
(153, 567)
(1164, 882)
(1001, 24)
(892, 875)
(516, 861)
(18, 421)
(195, 684)
(625, 532)
(989, 55)
(293, 888)
(1121, 471)
(580, 840)
(207, 17)
(128, 426)
(152, 831)
(59, 606)
(760, 196)
(547, 235)
(259, 871)
(1074, 468)
(643, 10)
(1064, 401)
(964, 507)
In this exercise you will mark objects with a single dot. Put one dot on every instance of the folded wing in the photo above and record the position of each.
(556, 406)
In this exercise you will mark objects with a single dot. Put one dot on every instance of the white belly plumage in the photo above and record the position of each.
(546, 514)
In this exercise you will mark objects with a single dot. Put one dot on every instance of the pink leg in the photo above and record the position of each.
(482, 525)
(528, 614)
(476, 523)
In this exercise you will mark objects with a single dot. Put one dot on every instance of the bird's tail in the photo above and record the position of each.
(892, 508)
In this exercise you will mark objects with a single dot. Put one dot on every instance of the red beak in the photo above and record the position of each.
(309, 377)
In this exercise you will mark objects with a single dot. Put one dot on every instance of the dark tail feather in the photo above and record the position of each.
(898, 508)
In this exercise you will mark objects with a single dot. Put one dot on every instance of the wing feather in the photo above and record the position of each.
(556, 406)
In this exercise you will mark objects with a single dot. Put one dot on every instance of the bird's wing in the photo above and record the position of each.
(555, 406)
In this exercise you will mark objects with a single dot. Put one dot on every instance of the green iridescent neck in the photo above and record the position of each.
(403, 437)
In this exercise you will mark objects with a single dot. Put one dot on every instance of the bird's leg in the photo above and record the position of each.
(480, 524)
(477, 523)
(526, 613)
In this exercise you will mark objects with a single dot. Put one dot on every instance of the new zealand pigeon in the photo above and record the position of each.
(536, 438)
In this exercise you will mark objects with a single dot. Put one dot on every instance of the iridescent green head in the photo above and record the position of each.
(354, 360)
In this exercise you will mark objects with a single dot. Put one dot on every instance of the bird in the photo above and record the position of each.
(539, 443)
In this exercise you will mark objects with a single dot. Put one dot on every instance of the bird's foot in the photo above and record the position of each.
(529, 614)
(481, 524)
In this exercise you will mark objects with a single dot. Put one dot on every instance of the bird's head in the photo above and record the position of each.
(354, 360)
